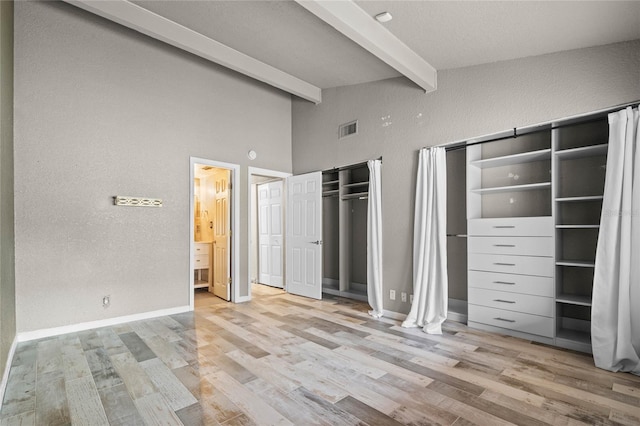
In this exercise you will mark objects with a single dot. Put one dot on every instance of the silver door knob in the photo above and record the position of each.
(318, 243)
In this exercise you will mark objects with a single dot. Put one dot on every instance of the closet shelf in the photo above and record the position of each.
(574, 336)
(507, 160)
(582, 152)
(330, 182)
(579, 199)
(572, 299)
(577, 226)
(330, 192)
(356, 195)
(513, 188)
(355, 184)
(577, 263)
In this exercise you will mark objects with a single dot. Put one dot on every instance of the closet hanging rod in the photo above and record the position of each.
(544, 127)
(351, 166)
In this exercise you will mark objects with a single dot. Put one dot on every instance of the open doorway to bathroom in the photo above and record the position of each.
(267, 203)
(212, 227)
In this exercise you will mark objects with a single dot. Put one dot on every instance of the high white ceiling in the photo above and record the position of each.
(446, 34)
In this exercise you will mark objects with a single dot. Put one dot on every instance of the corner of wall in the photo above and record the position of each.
(7, 239)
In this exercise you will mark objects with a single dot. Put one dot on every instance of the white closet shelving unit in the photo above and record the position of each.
(511, 237)
(533, 217)
(580, 157)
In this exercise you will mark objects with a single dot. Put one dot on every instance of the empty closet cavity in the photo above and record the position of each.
(345, 198)
(456, 234)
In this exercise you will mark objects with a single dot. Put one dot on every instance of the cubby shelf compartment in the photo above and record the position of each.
(513, 188)
(576, 263)
(572, 299)
(583, 151)
(577, 226)
(579, 199)
(508, 160)
(573, 336)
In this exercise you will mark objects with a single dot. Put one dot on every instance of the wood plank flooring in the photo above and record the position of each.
(282, 360)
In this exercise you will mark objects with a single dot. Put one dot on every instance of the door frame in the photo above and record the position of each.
(234, 215)
(256, 171)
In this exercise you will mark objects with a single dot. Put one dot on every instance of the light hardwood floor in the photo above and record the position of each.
(283, 359)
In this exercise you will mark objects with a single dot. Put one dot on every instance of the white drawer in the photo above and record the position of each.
(526, 323)
(525, 284)
(512, 226)
(531, 246)
(201, 248)
(525, 303)
(524, 265)
(201, 261)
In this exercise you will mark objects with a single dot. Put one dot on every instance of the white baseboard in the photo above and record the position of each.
(7, 367)
(453, 316)
(73, 328)
(394, 315)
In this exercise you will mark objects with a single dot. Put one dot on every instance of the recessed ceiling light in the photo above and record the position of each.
(384, 17)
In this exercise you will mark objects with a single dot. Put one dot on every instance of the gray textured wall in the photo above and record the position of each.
(100, 111)
(7, 252)
(396, 119)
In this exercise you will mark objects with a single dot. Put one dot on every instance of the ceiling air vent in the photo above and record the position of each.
(348, 129)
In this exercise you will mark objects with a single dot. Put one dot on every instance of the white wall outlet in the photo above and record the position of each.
(106, 301)
(403, 296)
(411, 298)
(392, 294)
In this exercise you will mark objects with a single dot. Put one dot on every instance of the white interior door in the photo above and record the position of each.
(270, 234)
(304, 235)
(221, 235)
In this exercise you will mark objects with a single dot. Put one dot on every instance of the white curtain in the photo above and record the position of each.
(615, 312)
(374, 240)
(430, 284)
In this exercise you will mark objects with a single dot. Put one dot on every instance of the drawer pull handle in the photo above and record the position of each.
(504, 282)
(503, 319)
(504, 226)
(504, 245)
(503, 301)
(504, 264)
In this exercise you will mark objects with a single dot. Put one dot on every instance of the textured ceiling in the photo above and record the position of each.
(447, 34)
(281, 34)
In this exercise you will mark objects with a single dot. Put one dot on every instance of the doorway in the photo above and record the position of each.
(213, 221)
(267, 203)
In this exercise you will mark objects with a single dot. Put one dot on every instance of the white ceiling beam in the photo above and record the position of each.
(348, 18)
(146, 22)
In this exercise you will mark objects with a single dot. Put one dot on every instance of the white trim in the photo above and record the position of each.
(256, 171)
(235, 225)
(452, 316)
(394, 315)
(352, 21)
(7, 367)
(73, 328)
(146, 22)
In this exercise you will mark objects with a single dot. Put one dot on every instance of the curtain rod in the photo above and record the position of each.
(464, 144)
(351, 166)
